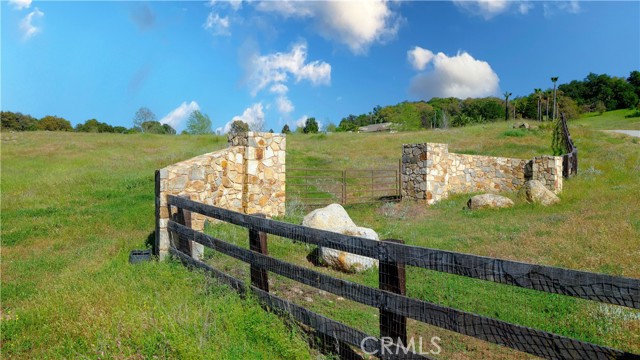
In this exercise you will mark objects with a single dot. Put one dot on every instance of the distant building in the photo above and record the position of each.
(376, 127)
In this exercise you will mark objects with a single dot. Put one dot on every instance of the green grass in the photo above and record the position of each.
(73, 206)
(594, 228)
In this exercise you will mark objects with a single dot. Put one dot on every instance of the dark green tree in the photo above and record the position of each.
(285, 129)
(310, 126)
(199, 123)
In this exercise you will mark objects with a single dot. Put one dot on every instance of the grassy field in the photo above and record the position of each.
(74, 205)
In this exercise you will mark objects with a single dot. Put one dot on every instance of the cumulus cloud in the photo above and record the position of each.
(459, 76)
(279, 89)
(178, 115)
(217, 25)
(276, 69)
(484, 8)
(253, 116)
(302, 121)
(20, 4)
(285, 106)
(357, 24)
(419, 57)
(27, 25)
(524, 7)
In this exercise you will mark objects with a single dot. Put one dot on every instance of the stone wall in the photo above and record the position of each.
(248, 178)
(430, 172)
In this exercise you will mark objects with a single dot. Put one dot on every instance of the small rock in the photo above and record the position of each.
(489, 201)
(308, 299)
(534, 191)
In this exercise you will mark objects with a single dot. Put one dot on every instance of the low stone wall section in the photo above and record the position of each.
(430, 172)
(248, 178)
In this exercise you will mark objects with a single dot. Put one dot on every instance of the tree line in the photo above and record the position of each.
(144, 121)
(596, 93)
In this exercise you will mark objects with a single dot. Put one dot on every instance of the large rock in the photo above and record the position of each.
(489, 201)
(334, 218)
(534, 191)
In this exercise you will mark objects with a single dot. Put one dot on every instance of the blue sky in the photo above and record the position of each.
(277, 62)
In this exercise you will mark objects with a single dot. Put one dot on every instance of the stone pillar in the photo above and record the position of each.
(437, 172)
(414, 170)
(548, 170)
(265, 174)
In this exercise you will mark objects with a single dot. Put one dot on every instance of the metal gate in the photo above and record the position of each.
(319, 187)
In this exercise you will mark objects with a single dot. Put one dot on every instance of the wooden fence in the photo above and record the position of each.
(390, 297)
(570, 159)
(320, 187)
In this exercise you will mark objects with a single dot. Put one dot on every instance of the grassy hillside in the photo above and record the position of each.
(73, 206)
(596, 227)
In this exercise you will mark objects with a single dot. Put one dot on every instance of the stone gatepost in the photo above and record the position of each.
(249, 177)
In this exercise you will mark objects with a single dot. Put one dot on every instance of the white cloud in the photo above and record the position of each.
(253, 116)
(217, 25)
(27, 24)
(178, 115)
(357, 24)
(301, 122)
(551, 8)
(279, 88)
(459, 76)
(284, 104)
(484, 8)
(524, 7)
(276, 68)
(20, 4)
(419, 57)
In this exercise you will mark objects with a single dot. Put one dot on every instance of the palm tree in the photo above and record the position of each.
(538, 92)
(547, 95)
(554, 79)
(506, 106)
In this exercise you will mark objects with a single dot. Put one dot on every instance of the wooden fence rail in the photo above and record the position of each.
(570, 159)
(390, 297)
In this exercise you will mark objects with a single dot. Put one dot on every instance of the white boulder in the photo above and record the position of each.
(334, 218)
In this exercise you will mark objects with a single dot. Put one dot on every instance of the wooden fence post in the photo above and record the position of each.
(183, 217)
(258, 243)
(393, 279)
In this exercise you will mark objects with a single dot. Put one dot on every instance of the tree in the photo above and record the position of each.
(555, 109)
(634, 80)
(285, 129)
(199, 124)
(17, 121)
(168, 129)
(506, 105)
(143, 115)
(239, 126)
(538, 93)
(310, 126)
(331, 127)
(54, 123)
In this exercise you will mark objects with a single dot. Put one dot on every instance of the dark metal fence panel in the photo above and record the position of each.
(319, 187)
